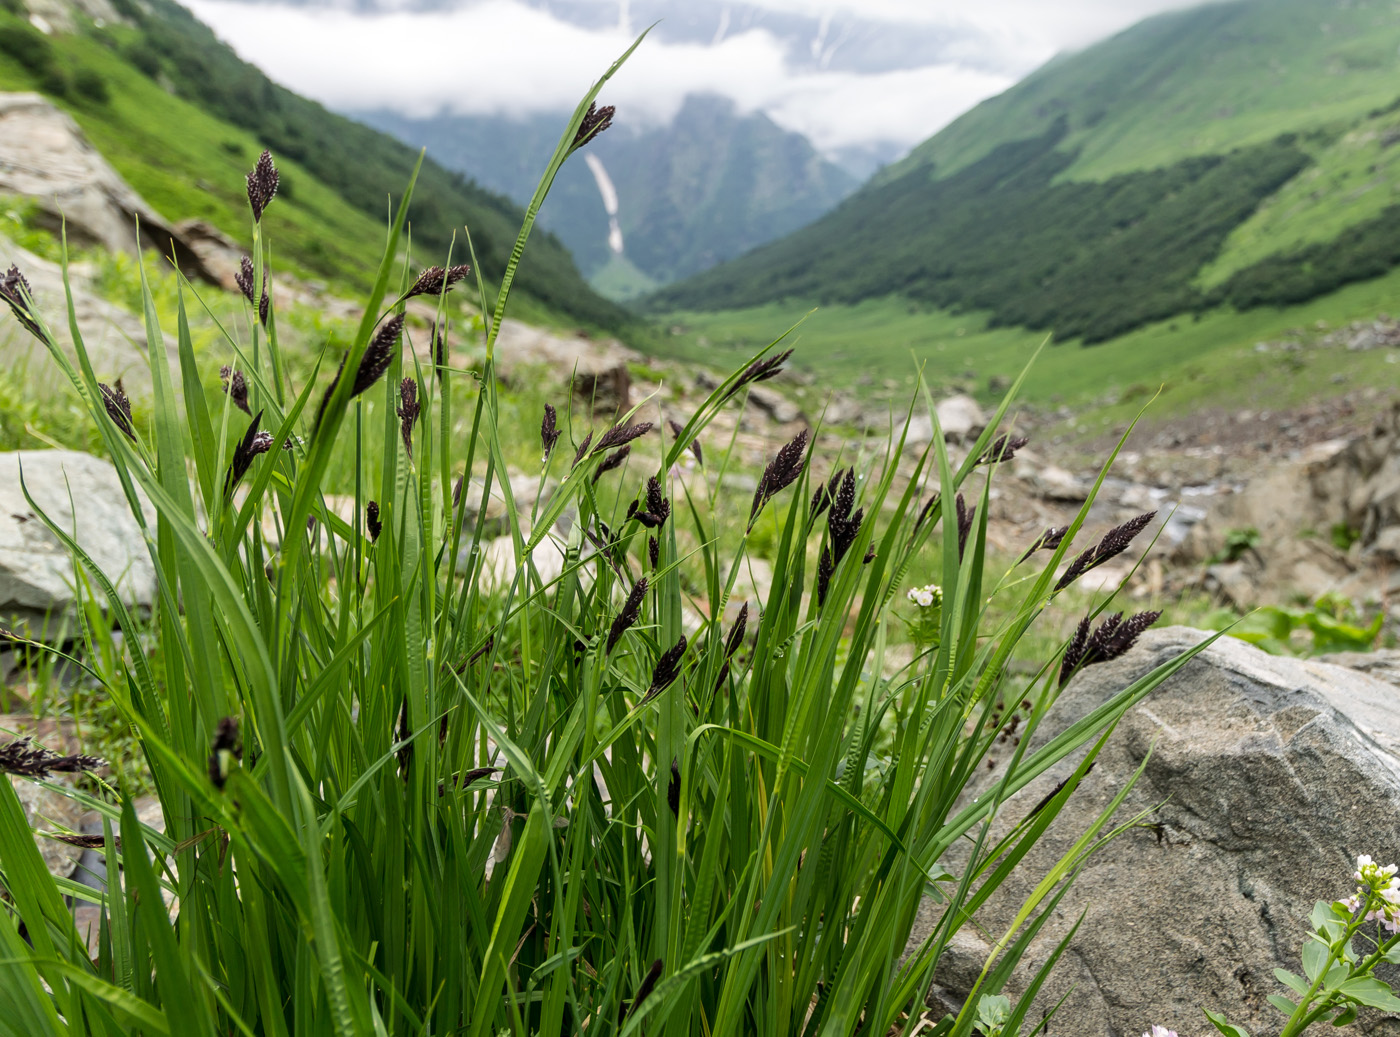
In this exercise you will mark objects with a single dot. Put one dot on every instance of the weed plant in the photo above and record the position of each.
(397, 803)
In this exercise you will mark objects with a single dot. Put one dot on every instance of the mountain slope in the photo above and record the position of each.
(983, 219)
(181, 118)
(1195, 82)
(708, 187)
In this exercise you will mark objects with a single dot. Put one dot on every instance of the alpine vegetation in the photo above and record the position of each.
(403, 795)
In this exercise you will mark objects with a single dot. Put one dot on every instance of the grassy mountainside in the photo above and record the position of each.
(1079, 203)
(1196, 82)
(181, 117)
(708, 187)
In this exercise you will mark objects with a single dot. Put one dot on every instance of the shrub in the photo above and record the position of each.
(27, 45)
(89, 84)
(396, 801)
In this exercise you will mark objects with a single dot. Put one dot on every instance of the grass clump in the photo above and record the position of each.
(397, 802)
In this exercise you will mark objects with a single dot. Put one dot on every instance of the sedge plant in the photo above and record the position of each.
(400, 798)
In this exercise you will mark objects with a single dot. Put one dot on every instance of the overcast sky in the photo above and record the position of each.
(492, 56)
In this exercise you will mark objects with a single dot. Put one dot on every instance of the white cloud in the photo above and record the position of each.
(501, 56)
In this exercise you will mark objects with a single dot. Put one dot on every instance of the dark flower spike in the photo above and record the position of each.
(408, 412)
(843, 533)
(1114, 543)
(631, 609)
(657, 502)
(621, 434)
(28, 760)
(118, 407)
(438, 335)
(869, 554)
(373, 526)
(264, 302)
(253, 443)
(1114, 636)
(14, 289)
(225, 750)
(405, 754)
(1047, 541)
(668, 668)
(549, 430)
(468, 779)
(825, 568)
(673, 789)
(926, 511)
(435, 280)
(262, 185)
(782, 472)
(582, 449)
(379, 355)
(736, 632)
(1003, 449)
(595, 121)
(761, 370)
(236, 386)
(966, 517)
(246, 280)
(614, 460)
(676, 430)
(653, 552)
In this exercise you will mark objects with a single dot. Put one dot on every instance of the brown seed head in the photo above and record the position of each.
(595, 121)
(262, 185)
(28, 760)
(373, 526)
(435, 280)
(118, 407)
(614, 460)
(408, 412)
(782, 472)
(236, 386)
(549, 430)
(246, 280)
(668, 668)
(253, 443)
(620, 434)
(631, 609)
(226, 747)
(14, 289)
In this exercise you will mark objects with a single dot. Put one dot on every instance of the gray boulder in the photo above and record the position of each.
(1267, 776)
(36, 573)
(44, 155)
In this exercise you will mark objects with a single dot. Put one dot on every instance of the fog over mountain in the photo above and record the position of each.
(814, 97)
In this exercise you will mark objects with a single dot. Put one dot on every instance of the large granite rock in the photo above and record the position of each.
(44, 155)
(82, 495)
(1267, 776)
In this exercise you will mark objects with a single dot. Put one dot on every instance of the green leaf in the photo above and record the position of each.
(1227, 1028)
(1282, 1003)
(1346, 1016)
(1293, 982)
(1315, 957)
(1371, 992)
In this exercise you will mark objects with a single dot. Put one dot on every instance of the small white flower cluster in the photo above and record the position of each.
(1371, 876)
(926, 596)
(1160, 1031)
